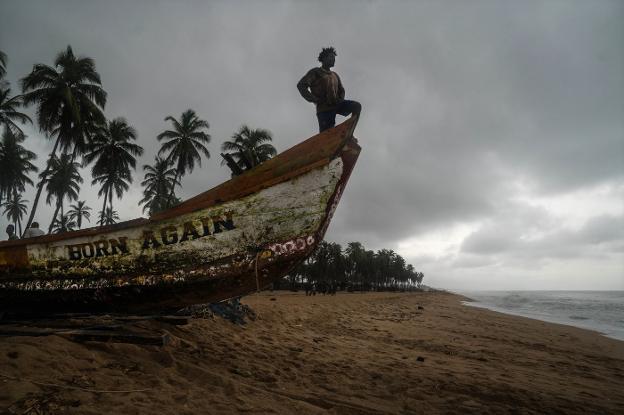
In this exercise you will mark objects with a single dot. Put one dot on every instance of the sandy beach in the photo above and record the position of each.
(351, 353)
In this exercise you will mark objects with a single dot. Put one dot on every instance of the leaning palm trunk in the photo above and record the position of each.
(44, 176)
(58, 207)
(170, 197)
(36, 201)
(103, 209)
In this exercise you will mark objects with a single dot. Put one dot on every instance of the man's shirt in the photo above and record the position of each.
(325, 86)
(32, 232)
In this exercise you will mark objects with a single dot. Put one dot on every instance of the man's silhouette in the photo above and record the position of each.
(322, 86)
(10, 230)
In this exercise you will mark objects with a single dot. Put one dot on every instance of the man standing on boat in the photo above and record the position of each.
(322, 87)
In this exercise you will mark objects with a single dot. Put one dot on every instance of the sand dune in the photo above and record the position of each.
(355, 353)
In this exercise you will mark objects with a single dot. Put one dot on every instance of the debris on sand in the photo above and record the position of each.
(231, 310)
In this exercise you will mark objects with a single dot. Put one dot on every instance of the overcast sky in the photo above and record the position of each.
(492, 131)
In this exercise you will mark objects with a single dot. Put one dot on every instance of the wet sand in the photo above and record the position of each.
(354, 353)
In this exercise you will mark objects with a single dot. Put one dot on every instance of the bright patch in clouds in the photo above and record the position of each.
(440, 243)
(575, 208)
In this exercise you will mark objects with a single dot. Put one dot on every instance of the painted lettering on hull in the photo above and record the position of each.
(98, 249)
(167, 235)
(170, 235)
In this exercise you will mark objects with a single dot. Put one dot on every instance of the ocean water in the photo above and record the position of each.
(601, 311)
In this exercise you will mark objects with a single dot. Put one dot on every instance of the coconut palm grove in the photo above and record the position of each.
(68, 100)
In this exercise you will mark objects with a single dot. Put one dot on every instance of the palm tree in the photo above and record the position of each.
(113, 181)
(355, 261)
(3, 62)
(384, 259)
(159, 182)
(15, 209)
(184, 145)
(9, 111)
(419, 278)
(70, 101)
(114, 155)
(63, 224)
(358, 266)
(108, 217)
(78, 212)
(337, 263)
(250, 147)
(15, 164)
(63, 182)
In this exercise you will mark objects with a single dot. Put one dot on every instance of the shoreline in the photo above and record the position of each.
(352, 353)
(593, 326)
(545, 320)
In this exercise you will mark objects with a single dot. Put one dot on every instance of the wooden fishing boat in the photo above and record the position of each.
(228, 241)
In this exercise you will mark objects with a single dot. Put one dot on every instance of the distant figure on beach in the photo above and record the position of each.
(33, 231)
(322, 87)
(10, 230)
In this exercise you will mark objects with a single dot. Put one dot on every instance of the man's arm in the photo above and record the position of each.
(304, 87)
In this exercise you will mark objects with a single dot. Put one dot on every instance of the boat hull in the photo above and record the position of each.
(208, 249)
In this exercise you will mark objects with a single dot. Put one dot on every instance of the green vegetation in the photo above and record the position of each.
(69, 101)
(9, 112)
(63, 181)
(3, 63)
(113, 153)
(355, 268)
(249, 147)
(184, 145)
(63, 224)
(109, 217)
(15, 164)
(158, 185)
(15, 209)
(78, 212)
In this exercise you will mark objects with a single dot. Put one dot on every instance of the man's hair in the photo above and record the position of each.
(325, 52)
(34, 225)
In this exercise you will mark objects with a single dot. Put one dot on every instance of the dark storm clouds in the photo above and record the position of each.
(462, 101)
